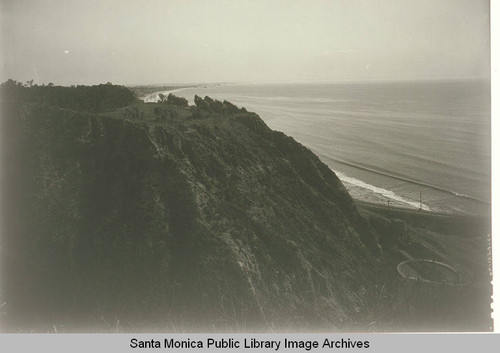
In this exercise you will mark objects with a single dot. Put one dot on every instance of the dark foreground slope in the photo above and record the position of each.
(205, 220)
(125, 216)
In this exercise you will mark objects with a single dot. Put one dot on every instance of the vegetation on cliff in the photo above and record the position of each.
(208, 218)
(82, 98)
(170, 217)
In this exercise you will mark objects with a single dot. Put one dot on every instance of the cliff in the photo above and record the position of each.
(174, 218)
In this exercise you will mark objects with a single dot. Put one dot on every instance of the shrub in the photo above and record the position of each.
(177, 101)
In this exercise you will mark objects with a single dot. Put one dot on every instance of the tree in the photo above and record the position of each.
(230, 107)
(200, 103)
(161, 98)
(177, 101)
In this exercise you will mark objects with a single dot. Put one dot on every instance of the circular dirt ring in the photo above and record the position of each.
(429, 271)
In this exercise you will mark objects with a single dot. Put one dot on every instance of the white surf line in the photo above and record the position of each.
(154, 97)
(384, 192)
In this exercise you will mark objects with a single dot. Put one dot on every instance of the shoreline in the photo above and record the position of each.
(153, 97)
(408, 180)
(364, 191)
(368, 193)
(373, 206)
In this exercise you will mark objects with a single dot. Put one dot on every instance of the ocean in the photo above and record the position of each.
(407, 144)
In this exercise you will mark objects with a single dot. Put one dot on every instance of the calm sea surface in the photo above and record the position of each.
(387, 141)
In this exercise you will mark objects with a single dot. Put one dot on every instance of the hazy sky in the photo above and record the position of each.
(174, 41)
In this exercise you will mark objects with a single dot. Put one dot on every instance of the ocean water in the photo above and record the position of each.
(393, 143)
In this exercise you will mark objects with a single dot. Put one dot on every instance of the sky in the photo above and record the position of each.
(182, 41)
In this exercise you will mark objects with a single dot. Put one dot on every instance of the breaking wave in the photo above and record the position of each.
(381, 191)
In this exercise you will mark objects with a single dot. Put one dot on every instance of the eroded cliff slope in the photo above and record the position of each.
(191, 219)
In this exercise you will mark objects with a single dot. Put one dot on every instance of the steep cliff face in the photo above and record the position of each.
(209, 223)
